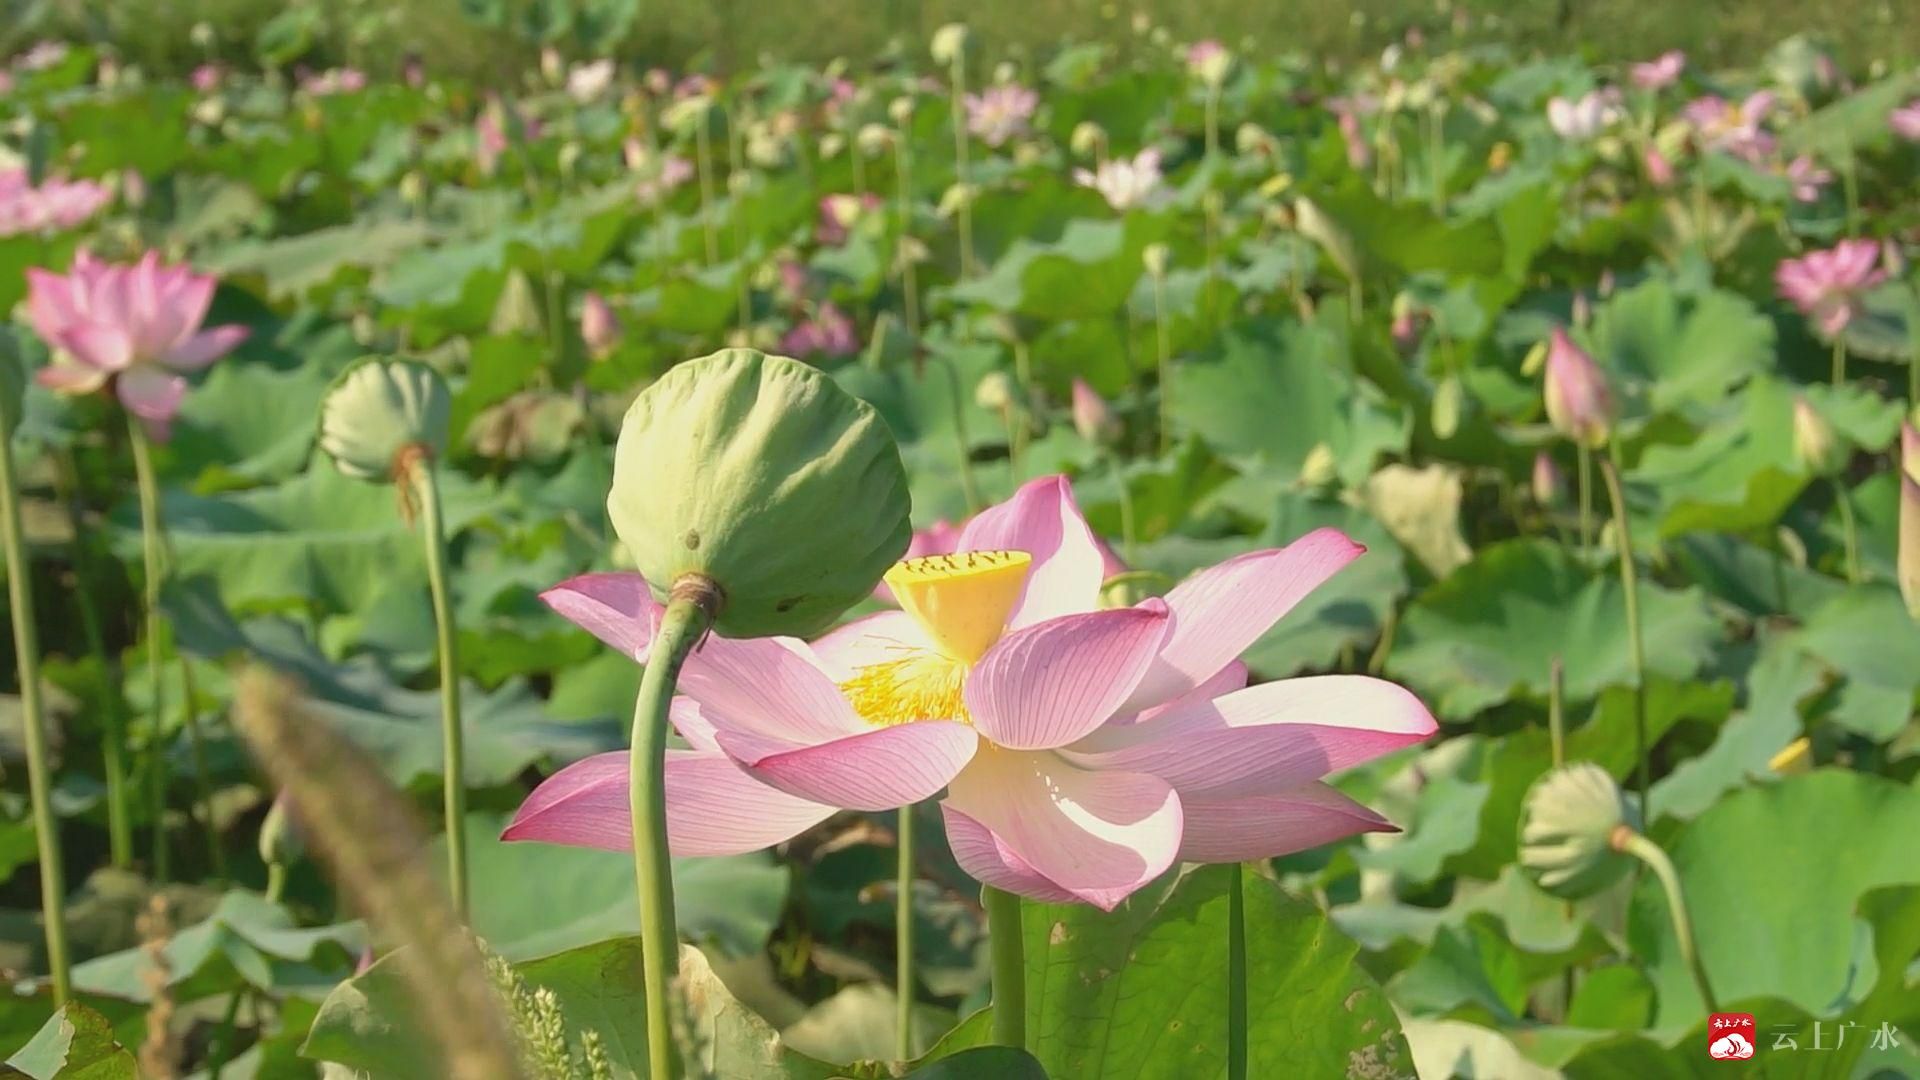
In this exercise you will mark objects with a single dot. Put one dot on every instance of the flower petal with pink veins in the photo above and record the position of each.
(713, 807)
(198, 350)
(874, 639)
(1221, 683)
(52, 303)
(1265, 738)
(1268, 826)
(617, 608)
(1054, 682)
(1220, 611)
(878, 769)
(1042, 520)
(990, 862)
(151, 393)
(692, 724)
(1099, 836)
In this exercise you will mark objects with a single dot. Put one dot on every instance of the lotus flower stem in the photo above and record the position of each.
(113, 712)
(26, 649)
(703, 158)
(1585, 480)
(957, 84)
(202, 776)
(452, 733)
(1436, 164)
(903, 933)
(1009, 966)
(1848, 529)
(1163, 345)
(689, 613)
(909, 288)
(1634, 844)
(156, 681)
(1556, 719)
(1213, 120)
(1236, 975)
(1128, 527)
(968, 487)
(1629, 583)
(1839, 360)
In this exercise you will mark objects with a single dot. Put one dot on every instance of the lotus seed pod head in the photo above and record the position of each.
(280, 843)
(378, 411)
(1567, 831)
(1549, 483)
(761, 476)
(1093, 418)
(949, 43)
(1155, 258)
(1087, 139)
(1815, 444)
(994, 391)
(1907, 563)
(1579, 403)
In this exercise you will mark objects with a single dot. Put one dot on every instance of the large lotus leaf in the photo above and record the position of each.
(144, 130)
(77, 1043)
(1492, 630)
(1089, 272)
(1867, 636)
(1460, 1048)
(860, 1022)
(930, 408)
(1272, 392)
(246, 941)
(1837, 131)
(294, 266)
(1142, 991)
(1409, 237)
(730, 903)
(1832, 834)
(1666, 344)
(1884, 328)
(1474, 967)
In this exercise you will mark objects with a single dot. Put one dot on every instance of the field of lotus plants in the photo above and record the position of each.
(1154, 560)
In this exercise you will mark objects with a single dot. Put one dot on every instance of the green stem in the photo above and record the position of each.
(1629, 583)
(903, 933)
(1009, 967)
(1213, 121)
(909, 288)
(1839, 360)
(689, 613)
(1585, 480)
(1849, 529)
(156, 682)
(962, 171)
(968, 487)
(1236, 977)
(202, 774)
(703, 155)
(26, 650)
(113, 711)
(1556, 719)
(1163, 343)
(1656, 859)
(225, 1036)
(1128, 526)
(452, 733)
(276, 882)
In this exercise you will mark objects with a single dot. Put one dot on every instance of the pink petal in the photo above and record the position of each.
(1220, 611)
(875, 639)
(70, 378)
(151, 393)
(990, 862)
(1098, 836)
(1219, 684)
(1268, 826)
(1054, 682)
(107, 348)
(50, 303)
(187, 296)
(692, 724)
(1042, 520)
(713, 808)
(1265, 738)
(878, 769)
(201, 349)
(619, 609)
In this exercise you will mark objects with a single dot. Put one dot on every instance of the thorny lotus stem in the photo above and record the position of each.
(690, 611)
(202, 775)
(962, 171)
(909, 288)
(1849, 530)
(452, 733)
(1236, 976)
(1585, 480)
(156, 681)
(26, 650)
(703, 158)
(903, 980)
(1839, 360)
(1629, 583)
(112, 705)
(1632, 843)
(1009, 966)
(1163, 343)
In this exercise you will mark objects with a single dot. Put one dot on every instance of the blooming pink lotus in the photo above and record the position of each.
(839, 214)
(1735, 127)
(1083, 752)
(1126, 183)
(52, 205)
(137, 327)
(829, 333)
(1586, 116)
(1000, 112)
(1661, 71)
(1806, 177)
(1905, 121)
(1827, 285)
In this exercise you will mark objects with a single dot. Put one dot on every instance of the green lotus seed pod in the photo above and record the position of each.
(1568, 826)
(280, 843)
(761, 475)
(377, 409)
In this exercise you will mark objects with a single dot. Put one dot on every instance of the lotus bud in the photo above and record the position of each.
(280, 843)
(1088, 139)
(379, 413)
(1549, 483)
(949, 44)
(1579, 404)
(994, 392)
(874, 139)
(1093, 418)
(518, 310)
(1582, 309)
(1209, 61)
(1907, 563)
(1893, 257)
(900, 110)
(570, 152)
(756, 476)
(832, 143)
(1250, 139)
(1320, 467)
(682, 115)
(1568, 828)
(1815, 444)
(1005, 72)
(1028, 154)
(552, 68)
(599, 328)
(413, 188)
(1155, 258)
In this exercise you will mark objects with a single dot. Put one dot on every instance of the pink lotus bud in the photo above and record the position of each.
(1093, 418)
(1907, 563)
(1579, 404)
(1582, 309)
(1815, 444)
(1549, 483)
(599, 328)
(1659, 169)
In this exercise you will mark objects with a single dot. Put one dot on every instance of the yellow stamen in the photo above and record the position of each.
(920, 686)
(962, 600)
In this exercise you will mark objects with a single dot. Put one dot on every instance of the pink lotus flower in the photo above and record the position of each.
(828, 334)
(1905, 121)
(940, 538)
(1083, 752)
(599, 327)
(52, 206)
(1662, 71)
(1000, 112)
(206, 78)
(1584, 117)
(335, 81)
(1827, 285)
(136, 326)
(1127, 183)
(1579, 403)
(1093, 418)
(1807, 178)
(1659, 169)
(1208, 61)
(1733, 127)
(840, 213)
